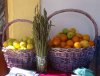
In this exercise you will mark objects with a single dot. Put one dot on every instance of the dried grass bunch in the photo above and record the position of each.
(41, 29)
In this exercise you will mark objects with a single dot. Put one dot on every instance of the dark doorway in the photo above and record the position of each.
(2, 18)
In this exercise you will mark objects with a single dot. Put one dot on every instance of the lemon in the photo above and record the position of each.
(10, 47)
(5, 44)
(23, 44)
(23, 48)
(10, 41)
(30, 46)
(30, 41)
(16, 44)
(77, 45)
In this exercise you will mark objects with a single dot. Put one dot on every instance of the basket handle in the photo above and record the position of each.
(14, 21)
(78, 11)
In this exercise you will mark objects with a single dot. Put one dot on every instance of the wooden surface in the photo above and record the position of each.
(3, 67)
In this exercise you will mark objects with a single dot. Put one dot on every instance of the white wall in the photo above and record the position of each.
(78, 21)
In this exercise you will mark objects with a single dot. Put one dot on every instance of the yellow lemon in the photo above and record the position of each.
(77, 45)
(30, 46)
(10, 47)
(16, 44)
(10, 41)
(5, 44)
(23, 44)
(22, 48)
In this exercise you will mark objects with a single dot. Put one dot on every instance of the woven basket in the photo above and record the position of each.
(67, 60)
(18, 58)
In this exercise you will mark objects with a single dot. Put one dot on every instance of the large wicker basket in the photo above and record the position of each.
(67, 60)
(18, 58)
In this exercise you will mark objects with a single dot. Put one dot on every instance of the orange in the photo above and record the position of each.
(79, 35)
(80, 40)
(58, 46)
(63, 37)
(67, 46)
(56, 41)
(63, 44)
(86, 37)
(50, 43)
(70, 43)
(76, 39)
(91, 43)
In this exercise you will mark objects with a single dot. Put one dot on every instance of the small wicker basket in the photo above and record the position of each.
(18, 58)
(67, 60)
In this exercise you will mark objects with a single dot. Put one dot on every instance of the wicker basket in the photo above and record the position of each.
(67, 60)
(18, 58)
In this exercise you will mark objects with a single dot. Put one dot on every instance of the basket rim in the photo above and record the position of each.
(71, 48)
(77, 11)
(10, 23)
(17, 50)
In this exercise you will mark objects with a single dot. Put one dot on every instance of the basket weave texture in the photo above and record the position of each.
(18, 58)
(67, 60)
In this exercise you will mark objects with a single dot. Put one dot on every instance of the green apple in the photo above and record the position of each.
(65, 30)
(70, 35)
(72, 30)
(60, 33)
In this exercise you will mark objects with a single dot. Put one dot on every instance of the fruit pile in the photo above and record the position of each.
(70, 38)
(23, 44)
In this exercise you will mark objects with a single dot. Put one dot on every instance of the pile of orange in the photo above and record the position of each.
(72, 40)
